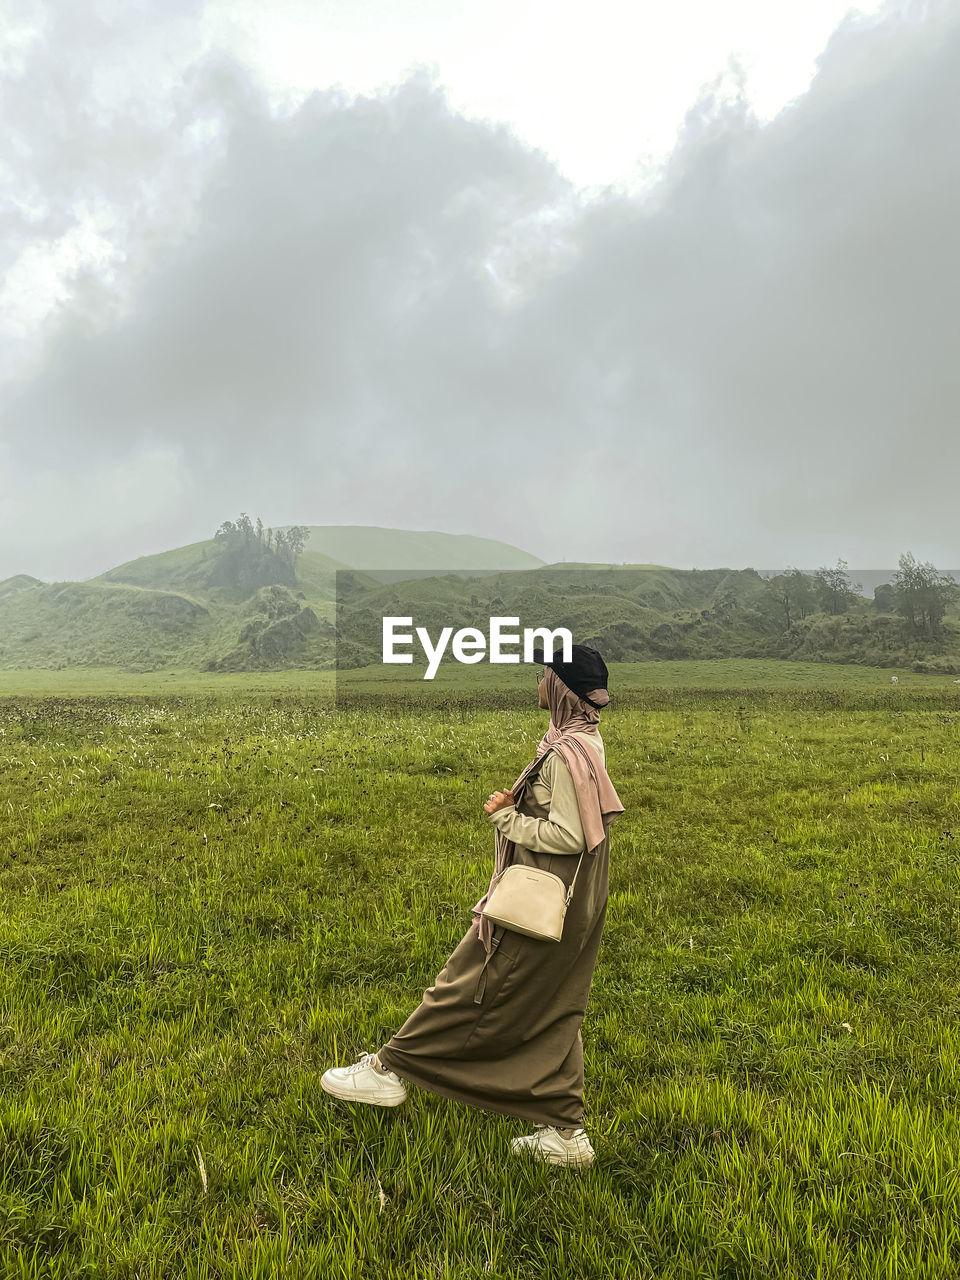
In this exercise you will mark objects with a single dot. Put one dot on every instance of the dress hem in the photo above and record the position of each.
(457, 1095)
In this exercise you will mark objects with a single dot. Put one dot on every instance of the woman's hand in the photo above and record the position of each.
(498, 800)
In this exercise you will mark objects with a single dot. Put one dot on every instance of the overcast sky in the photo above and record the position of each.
(640, 282)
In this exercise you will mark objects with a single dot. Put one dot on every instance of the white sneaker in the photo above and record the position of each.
(547, 1144)
(362, 1082)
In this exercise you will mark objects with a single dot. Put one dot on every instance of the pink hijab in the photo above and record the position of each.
(597, 799)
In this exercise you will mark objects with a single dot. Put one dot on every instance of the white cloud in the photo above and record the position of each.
(376, 310)
(602, 91)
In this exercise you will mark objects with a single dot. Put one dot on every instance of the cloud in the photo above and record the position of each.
(374, 310)
(102, 154)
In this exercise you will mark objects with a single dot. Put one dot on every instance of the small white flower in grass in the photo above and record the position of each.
(846, 1026)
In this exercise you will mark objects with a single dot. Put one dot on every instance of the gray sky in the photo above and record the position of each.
(329, 290)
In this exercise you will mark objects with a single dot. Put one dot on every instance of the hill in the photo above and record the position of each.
(640, 614)
(164, 611)
(161, 610)
(186, 568)
(17, 583)
(370, 547)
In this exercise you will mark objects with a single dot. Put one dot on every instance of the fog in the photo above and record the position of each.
(374, 310)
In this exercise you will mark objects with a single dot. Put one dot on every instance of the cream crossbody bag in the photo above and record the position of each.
(530, 901)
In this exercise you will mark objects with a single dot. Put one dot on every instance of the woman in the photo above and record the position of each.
(500, 1027)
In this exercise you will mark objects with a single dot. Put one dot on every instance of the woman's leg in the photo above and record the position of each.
(567, 1131)
(569, 1109)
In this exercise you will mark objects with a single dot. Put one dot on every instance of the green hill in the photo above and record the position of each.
(9, 586)
(370, 547)
(188, 568)
(160, 610)
(165, 611)
(639, 614)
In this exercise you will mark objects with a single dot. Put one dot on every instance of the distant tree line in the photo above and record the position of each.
(251, 556)
(919, 593)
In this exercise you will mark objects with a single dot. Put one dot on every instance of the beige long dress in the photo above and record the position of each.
(506, 1036)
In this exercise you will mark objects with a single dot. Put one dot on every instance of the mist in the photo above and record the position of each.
(374, 310)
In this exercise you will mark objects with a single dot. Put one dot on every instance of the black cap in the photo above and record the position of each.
(585, 671)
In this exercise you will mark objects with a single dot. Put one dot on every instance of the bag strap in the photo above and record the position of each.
(537, 766)
(574, 880)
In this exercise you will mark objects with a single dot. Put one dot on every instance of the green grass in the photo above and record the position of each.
(81, 682)
(210, 897)
(714, 673)
(719, 673)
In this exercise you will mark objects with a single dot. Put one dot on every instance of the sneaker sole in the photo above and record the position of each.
(546, 1158)
(351, 1096)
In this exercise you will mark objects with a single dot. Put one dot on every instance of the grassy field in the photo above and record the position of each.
(208, 897)
(719, 673)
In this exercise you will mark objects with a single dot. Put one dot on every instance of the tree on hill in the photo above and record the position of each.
(922, 595)
(833, 589)
(252, 557)
(794, 593)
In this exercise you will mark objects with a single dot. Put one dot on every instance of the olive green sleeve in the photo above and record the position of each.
(561, 832)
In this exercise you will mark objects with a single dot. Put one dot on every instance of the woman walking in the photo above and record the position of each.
(500, 1027)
